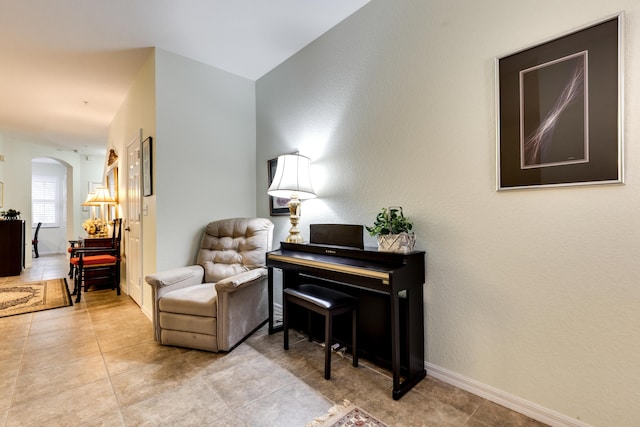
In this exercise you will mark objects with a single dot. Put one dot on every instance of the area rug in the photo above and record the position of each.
(20, 298)
(346, 414)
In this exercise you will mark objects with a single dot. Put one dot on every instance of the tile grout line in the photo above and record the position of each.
(14, 386)
(104, 362)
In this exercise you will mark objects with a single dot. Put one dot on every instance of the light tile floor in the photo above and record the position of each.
(96, 364)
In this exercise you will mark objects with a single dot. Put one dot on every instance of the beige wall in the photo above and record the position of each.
(532, 296)
(137, 113)
(204, 153)
(202, 121)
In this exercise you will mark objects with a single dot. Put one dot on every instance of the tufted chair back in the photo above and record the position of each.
(232, 246)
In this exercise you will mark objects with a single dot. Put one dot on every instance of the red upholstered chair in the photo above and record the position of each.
(94, 242)
(98, 263)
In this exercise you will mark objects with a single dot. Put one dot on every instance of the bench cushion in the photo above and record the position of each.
(95, 260)
(322, 297)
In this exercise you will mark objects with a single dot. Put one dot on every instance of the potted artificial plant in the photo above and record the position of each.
(10, 214)
(393, 231)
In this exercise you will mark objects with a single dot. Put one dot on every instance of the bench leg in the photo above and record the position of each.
(327, 346)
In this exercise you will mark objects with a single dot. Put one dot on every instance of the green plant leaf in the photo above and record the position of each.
(390, 221)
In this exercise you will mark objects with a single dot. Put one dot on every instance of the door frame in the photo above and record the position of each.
(135, 139)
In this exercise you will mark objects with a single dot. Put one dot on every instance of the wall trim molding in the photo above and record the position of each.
(518, 404)
(513, 402)
(147, 312)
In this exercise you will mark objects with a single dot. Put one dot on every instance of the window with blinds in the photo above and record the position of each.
(45, 199)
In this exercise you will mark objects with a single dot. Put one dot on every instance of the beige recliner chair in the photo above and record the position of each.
(218, 302)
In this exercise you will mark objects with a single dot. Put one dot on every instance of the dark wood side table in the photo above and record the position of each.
(11, 247)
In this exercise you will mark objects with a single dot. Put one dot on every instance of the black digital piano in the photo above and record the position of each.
(389, 288)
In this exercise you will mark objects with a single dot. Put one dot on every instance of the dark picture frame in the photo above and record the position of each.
(277, 205)
(559, 110)
(147, 160)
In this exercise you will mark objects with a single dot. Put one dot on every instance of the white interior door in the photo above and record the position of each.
(134, 225)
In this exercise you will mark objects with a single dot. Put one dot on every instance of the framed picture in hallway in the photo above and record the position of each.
(559, 110)
(147, 188)
(112, 185)
(277, 206)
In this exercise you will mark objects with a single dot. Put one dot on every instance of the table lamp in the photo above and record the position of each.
(292, 181)
(90, 204)
(102, 197)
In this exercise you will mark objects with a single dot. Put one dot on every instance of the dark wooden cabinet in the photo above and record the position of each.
(11, 247)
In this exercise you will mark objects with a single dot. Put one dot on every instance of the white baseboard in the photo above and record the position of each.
(515, 403)
(147, 313)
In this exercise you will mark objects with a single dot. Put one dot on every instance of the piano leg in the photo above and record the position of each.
(414, 330)
(395, 345)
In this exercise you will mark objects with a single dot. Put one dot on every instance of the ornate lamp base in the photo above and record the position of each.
(294, 216)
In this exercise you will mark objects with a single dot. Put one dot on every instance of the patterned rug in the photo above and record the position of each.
(346, 414)
(20, 298)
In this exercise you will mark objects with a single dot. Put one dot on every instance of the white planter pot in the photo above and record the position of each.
(403, 242)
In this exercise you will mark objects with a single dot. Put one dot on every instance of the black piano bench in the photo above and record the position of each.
(327, 302)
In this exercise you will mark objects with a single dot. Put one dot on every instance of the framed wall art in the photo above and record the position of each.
(147, 185)
(277, 205)
(559, 110)
(112, 185)
(112, 182)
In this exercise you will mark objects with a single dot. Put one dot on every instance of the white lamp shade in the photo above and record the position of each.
(102, 196)
(88, 201)
(292, 177)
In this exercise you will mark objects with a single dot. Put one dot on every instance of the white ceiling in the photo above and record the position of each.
(66, 65)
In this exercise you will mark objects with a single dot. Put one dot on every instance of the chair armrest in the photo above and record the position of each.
(178, 277)
(93, 251)
(167, 281)
(240, 280)
(242, 306)
(76, 251)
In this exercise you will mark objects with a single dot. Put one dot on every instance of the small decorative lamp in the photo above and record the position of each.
(292, 181)
(102, 197)
(90, 204)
